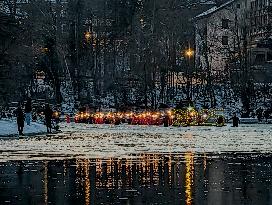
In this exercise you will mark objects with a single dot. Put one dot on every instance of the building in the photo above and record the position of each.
(234, 35)
(260, 39)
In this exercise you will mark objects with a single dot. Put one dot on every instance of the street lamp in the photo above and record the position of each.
(189, 53)
(45, 50)
(88, 35)
(142, 22)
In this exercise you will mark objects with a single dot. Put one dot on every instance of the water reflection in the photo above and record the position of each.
(189, 157)
(187, 179)
(45, 181)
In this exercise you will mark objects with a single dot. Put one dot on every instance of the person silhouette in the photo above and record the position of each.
(235, 120)
(20, 120)
(48, 112)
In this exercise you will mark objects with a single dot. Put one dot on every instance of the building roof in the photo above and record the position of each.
(207, 2)
(213, 10)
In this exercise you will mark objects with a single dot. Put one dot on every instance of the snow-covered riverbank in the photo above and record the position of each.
(92, 141)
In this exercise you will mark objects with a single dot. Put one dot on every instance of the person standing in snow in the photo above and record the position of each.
(260, 114)
(166, 120)
(28, 111)
(68, 119)
(235, 121)
(48, 112)
(20, 120)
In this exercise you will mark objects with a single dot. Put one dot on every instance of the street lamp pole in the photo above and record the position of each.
(189, 54)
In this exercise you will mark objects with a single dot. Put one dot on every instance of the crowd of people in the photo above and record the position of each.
(25, 114)
(187, 116)
(133, 118)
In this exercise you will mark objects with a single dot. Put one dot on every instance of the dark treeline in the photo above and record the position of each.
(92, 49)
(100, 52)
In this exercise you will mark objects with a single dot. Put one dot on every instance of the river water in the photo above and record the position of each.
(155, 178)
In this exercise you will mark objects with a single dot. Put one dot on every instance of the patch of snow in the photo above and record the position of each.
(210, 11)
(207, 2)
(213, 9)
(9, 127)
(249, 120)
(105, 141)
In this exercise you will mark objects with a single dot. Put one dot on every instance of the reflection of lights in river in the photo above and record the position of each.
(205, 162)
(83, 177)
(87, 181)
(45, 181)
(189, 158)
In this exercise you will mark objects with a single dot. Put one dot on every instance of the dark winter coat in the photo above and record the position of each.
(166, 121)
(20, 117)
(28, 107)
(48, 112)
(235, 121)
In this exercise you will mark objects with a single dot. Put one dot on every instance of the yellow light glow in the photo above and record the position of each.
(87, 181)
(190, 108)
(88, 35)
(155, 116)
(189, 52)
(189, 157)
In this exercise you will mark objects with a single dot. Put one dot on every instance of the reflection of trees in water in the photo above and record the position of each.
(152, 171)
(186, 179)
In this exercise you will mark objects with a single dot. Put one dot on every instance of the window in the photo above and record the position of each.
(225, 23)
(64, 28)
(238, 6)
(252, 4)
(225, 40)
(260, 58)
(269, 56)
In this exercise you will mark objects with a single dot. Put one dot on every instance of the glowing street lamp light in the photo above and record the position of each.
(189, 52)
(88, 35)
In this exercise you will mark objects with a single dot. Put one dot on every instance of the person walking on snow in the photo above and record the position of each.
(48, 112)
(28, 111)
(20, 120)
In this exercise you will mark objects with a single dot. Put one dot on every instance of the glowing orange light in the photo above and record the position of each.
(88, 35)
(189, 52)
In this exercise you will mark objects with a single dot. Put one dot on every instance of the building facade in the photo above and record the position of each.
(234, 36)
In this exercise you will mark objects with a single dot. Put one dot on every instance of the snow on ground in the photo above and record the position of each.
(104, 141)
(9, 127)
